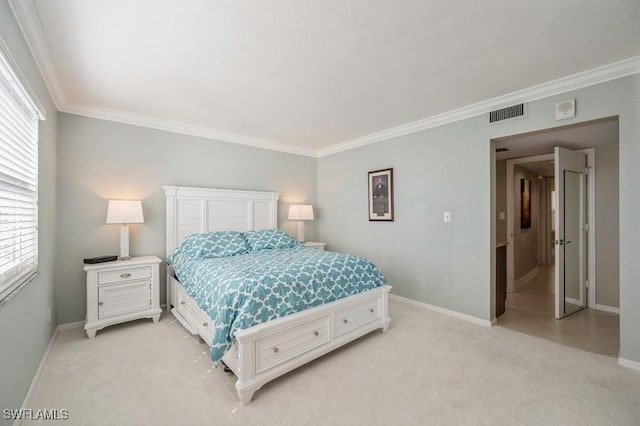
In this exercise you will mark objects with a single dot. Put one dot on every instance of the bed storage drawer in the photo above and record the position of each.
(276, 349)
(190, 309)
(356, 316)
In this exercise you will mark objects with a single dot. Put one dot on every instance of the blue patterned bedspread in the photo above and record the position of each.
(241, 291)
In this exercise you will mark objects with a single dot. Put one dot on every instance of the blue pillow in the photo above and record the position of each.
(209, 245)
(269, 239)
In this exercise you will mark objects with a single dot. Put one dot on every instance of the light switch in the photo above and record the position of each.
(501, 215)
(447, 217)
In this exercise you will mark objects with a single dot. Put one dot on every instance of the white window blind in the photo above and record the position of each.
(18, 182)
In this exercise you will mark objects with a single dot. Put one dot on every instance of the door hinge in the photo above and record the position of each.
(586, 171)
(586, 227)
(586, 283)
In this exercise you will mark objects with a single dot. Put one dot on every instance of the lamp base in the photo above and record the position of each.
(301, 231)
(124, 242)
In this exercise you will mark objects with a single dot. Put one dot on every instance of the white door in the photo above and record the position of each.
(570, 225)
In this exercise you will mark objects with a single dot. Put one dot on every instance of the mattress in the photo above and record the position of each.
(241, 291)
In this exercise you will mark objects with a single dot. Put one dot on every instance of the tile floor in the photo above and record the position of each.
(530, 310)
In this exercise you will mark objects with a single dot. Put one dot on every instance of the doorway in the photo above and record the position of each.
(549, 187)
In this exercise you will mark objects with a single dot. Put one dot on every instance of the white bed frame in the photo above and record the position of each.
(265, 351)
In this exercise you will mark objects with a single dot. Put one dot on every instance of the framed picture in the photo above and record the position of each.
(525, 203)
(381, 195)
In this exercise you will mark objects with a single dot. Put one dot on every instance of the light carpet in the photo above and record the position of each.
(427, 369)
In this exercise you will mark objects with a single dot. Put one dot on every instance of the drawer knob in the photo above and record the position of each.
(205, 324)
(275, 349)
(345, 321)
(100, 303)
(371, 310)
(183, 302)
(125, 275)
(315, 333)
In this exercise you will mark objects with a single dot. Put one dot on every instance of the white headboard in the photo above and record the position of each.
(192, 210)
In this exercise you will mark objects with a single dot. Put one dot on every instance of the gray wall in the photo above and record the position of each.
(607, 227)
(100, 160)
(25, 329)
(525, 240)
(449, 168)
(501, 200)
(629, 103)
(442, 169)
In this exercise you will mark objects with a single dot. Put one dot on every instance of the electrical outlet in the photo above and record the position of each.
(447, 217)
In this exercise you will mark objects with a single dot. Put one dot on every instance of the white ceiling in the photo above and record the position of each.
(308, 75)
(591, 134)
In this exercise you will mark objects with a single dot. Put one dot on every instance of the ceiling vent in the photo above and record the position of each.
(507, 113)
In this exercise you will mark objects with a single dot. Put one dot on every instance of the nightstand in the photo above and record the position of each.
(315, 245)
(122, 291)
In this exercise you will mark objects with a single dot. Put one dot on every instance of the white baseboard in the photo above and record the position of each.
(455, 314)
(629, 364)
(70, 325)
(606, 308)
(36, 377)
(45, 356)
(517, 285)
(573, 301)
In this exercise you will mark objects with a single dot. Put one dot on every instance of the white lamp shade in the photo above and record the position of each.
(301, 212)
(124, 211)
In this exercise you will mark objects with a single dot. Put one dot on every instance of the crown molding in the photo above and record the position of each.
(565, 84)
(182, 128)
(30, 24)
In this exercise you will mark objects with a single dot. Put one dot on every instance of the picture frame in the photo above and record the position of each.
(380, 183)
(525, 203)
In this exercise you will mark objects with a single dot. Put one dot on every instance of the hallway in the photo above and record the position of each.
(530, 310)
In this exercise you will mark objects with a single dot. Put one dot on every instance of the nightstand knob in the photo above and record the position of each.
(275, 349)
(315, 333)
(205, 324)
(125, 275)
(100, 303)
(183, 302)
(345, 321)
(371, 310)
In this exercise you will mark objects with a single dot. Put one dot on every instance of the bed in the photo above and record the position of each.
(258, 351)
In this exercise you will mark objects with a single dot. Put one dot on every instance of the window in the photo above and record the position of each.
(18, 179)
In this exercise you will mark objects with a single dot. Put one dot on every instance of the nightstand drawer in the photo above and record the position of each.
(120, 299)
(121, 275)
(315, 245)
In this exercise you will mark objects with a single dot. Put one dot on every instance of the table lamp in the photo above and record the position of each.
(301, 212)
(124, 212)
